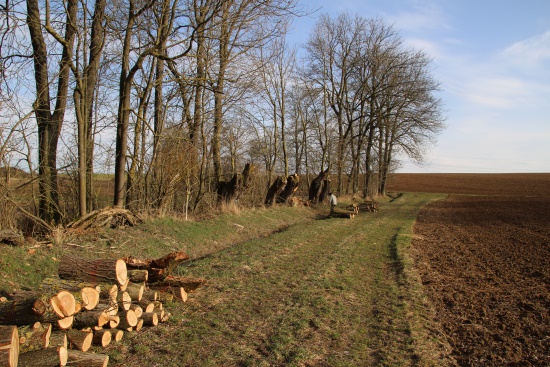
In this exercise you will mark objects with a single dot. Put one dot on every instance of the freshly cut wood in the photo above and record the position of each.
(150, 294)
(28, 307)
(64, 323)
(36, 336)
(9, 346)
(90, 319)
(127, 319)
(124, 300)
(109, 293)
(44, 358)
(168, 293)
(159, 268)
(110, 217)
(137, 309)
(102, 337)
(139, 325)
(85, 293)
(93, 270)
(150, 319)
(165, 317)
(135, 290)
(110, 309)
(122, 287)
(81, 359)
(189, 284)
(81, 340)
(113, 321)
(64, 303)
(58, 338)
(118, 335)
(138, 275)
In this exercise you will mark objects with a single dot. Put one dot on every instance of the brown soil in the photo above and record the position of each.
(484, 262)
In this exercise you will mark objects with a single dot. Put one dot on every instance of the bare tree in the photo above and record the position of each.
(49, 122)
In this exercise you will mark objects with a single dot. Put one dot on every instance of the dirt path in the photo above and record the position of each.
(484, 261)
(322, 294)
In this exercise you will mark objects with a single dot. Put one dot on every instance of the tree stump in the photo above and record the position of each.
(274, 190)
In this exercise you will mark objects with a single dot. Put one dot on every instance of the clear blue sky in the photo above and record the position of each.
(492, 58)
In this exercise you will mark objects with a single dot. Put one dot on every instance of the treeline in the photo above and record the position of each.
(175, 96)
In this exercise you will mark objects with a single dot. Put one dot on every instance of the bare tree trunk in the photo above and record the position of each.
(49, 124)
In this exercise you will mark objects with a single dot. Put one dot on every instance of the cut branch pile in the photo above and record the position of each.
(93, 302)
(110, 217)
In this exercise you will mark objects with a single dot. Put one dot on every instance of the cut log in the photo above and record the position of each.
(64, 303)
(189, 284)
(26, 308)
(91, 318)
(138, 275)
(93, 270)
(81, 340)
(150, 319)
(127, 319)
(48, 357)
(135, 290)
(159, 268)
(149, 294)
(109, 309)
(165, 317)
(58, 338)
(64, 323)
(137, 309)
(36, 336)
(124, 301)
(85, 293)
(139, 325)
(169, 294)
(102, 337)
(118, 335)
(81, 359)
(9, 346)
(108, 293)
(113, 322)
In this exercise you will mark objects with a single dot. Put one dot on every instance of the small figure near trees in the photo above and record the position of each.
(333, 201)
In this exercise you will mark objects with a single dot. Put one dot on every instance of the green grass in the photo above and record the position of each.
(286, 287)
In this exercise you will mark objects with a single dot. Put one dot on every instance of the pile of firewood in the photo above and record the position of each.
(92, 302)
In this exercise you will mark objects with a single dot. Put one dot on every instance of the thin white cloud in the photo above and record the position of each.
(529, 53)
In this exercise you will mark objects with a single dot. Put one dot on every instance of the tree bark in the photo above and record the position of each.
(102, 337)
(90, 319)
(278, 185)
(49, 124)
(93, 270)
(81, 340)
(36, 336)
(81, 359)
(44, 358)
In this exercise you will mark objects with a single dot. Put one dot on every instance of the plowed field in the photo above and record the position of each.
(485, 263)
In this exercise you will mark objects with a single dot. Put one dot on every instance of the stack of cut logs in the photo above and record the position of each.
(92, 302)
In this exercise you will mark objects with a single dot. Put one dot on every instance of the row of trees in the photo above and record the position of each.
(187, 91)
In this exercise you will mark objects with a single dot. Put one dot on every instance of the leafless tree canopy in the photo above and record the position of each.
(174, 97)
